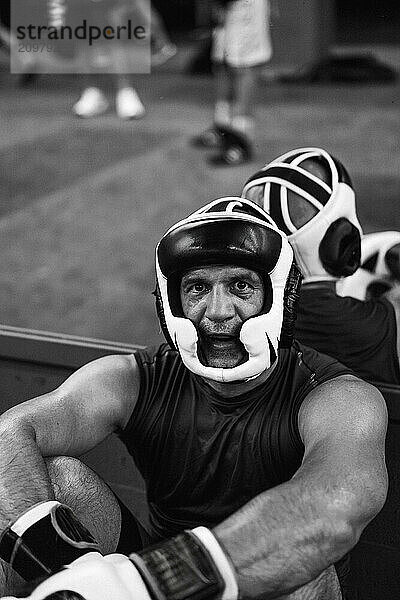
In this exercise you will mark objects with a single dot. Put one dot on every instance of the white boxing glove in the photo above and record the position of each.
(191, 565)
(96, 577)
(380, 266)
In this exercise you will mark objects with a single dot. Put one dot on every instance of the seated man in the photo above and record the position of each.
(263, 459)
(309, 195)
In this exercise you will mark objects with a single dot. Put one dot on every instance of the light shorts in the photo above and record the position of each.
(244, 39)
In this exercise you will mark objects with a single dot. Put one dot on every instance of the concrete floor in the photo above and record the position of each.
(84, 202)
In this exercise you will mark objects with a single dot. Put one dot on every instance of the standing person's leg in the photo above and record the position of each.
(247, 46)
(236, 147)
(127, 102)
(222, 114)
(224, 95)
(92, 101)
(246, 79)
(223, 84)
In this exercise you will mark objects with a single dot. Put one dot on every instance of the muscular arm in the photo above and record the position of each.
(287, 536)
(84, 410)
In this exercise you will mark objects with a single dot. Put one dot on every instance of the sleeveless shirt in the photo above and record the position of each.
(204, 456)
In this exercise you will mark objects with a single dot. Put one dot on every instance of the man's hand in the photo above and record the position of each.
(191, 565)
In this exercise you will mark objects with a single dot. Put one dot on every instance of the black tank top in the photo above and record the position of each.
(361, 335)
(203, 456)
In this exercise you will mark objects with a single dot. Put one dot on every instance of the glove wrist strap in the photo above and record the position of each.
(179, 568)
(190, 565)
(32, 515)
(221, 560)
(44, 539)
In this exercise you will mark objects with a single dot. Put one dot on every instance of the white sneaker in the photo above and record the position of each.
(91, 103)
(128, 104)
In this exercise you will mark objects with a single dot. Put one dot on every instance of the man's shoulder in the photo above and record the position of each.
(343, 396)
(109, 364)
(320, 366)
(108, 372)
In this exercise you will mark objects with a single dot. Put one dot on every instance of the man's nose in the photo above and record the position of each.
(219, 305)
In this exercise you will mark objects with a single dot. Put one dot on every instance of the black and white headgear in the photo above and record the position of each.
(316, 211)
(229, 231)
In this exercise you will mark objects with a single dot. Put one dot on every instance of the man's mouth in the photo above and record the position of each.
(220, 349)
(222, 339)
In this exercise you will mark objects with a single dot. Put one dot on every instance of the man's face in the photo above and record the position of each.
(218, 299)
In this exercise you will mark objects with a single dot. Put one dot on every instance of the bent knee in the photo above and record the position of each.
(65, 470)
(91, 499)
(62, 462)
(71, 479)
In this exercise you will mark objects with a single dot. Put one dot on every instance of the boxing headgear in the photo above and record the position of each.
(309, 195)
(380, 266)
(229, 231)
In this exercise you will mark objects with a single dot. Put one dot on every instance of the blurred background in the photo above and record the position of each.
(84, 201)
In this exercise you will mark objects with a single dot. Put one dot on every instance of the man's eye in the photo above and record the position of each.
(242, 286)
(197, 288)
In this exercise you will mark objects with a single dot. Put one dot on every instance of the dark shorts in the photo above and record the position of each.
(343, 571)
(133, 536)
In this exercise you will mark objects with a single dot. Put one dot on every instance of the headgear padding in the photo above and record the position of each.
(229, 231)
(309, 195)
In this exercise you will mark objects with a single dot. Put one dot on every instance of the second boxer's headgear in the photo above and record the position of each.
(309, 195)
(229, 231)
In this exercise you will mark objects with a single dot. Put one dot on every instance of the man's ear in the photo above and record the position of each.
(161, 316)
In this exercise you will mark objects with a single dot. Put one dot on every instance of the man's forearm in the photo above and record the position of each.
(23, 476)
(283, 539)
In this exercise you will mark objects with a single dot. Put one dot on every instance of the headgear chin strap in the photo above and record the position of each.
(229, 231)
(327, 246)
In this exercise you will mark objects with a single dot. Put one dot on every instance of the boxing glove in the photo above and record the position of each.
(191, 565)
(44, 539)
(380, 267)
